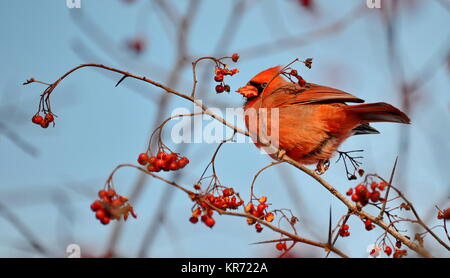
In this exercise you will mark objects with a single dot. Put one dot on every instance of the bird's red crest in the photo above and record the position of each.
(267, 75)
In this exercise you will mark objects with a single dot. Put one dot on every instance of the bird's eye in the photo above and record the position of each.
(259, 86)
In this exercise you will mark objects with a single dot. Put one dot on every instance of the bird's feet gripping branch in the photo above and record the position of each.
(322, 166)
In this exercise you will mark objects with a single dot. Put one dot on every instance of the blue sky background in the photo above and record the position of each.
(100, 126)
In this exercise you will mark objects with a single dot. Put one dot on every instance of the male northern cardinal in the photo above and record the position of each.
(313, 119)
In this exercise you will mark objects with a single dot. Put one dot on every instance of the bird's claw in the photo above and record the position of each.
(280, 154)
(322, 166)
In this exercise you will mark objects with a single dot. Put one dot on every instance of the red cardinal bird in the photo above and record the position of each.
(313, 119)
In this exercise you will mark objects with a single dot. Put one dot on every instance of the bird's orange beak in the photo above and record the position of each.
(248, 91)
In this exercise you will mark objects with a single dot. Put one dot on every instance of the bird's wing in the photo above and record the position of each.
(294, 94)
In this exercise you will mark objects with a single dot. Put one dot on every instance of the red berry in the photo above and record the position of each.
(235, 57)
(249, 208)
(49, 118)
(220, 88)
(105, 220)
(279, 246)
(261, 208)
(204, 217)
(256, 213)
(102, 193)
(355, 198)
(361, 172)
(96, 205)
(306, 3)
(160, 163)
(361, 190)
(111, 192)
(173, 166)
(44, 124)
(349, 192)
(218, 78)
(269, 217)
(193, 219)
(142, 159)
(228, 192)
(37, 119)
(137, 44)
(209, 221)
(398, 244)
(153, 168)
(258, 228)
(161, 155)
(388, 250)
(382, 185)
(183, 162)
(345, 227)
(293, 72)
(227, 88)
(368, 224)
(375, 196)
(152, 160)
(374, 185)
(100, 214)
(172, 157)
(446, 214)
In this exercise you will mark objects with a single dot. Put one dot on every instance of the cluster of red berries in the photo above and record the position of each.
(227, 200)
(300, 79)
(343, 231)
(362, 195)
(399, 253)
(445, 214)
(163, 161)
(43, 121)
(281, 246)
(111, 206)
(221, 73)
(259, 212)
(206, 217)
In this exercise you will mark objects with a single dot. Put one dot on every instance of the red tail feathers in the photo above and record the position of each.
(378, 112)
